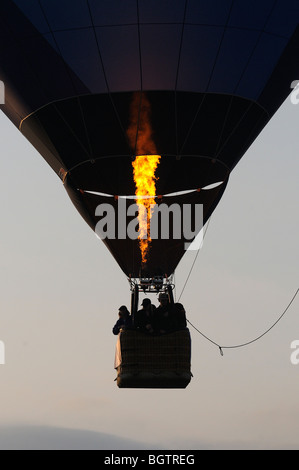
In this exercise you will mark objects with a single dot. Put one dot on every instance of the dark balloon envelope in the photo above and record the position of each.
(214, 72)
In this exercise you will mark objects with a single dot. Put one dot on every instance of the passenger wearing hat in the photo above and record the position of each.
(124, 320)
(145, 318)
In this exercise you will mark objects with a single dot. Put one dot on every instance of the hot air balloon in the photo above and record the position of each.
(93, 85)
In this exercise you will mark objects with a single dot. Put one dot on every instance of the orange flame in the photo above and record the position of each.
(144, 167)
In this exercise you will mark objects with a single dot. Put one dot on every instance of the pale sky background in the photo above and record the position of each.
(61, 289)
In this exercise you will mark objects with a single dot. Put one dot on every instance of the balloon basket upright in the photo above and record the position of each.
(145, 360)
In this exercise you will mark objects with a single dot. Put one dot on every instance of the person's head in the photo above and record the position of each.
(179, 307)
(163, 298)
(123, 311)
(146, 303)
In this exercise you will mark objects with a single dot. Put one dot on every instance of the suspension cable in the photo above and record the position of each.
(253, 340)
(194, 261)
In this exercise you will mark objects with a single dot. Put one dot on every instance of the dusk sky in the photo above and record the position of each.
(61, 290)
